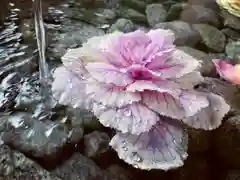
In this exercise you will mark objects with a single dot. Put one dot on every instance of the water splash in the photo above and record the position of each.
(41, 42)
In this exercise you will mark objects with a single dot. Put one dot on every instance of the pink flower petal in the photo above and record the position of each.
(69, 89)
(106, 73)
(210, 117)
(160, 86)
(228, 71)
(110, 95)
(178, 65)
(134, 118)
(189, 80)
(163, 147)
(174, 106)
(132, 46)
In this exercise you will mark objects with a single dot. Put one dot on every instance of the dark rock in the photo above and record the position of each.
(205, 3)
(133, 15)
(213, 38)
(7, 98)
(199, 15)
(79, 167)
(230, 20)
(73, 34)
(80, 117)
(175, 11)
(15, 166)
(10, 80)
(230, 33)
(35, 137)
(227, 141)
(233, 49)
(123, 25)
(138, 5)
(233, 175)
(118, 173)
(196, 167)
(96, 143)
(207, 68)
(156, 13)
(184, 32)
(199, 141)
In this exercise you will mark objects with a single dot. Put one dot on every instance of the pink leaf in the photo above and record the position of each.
(69, 89)
(110, 95)
(106, 73)
(210, 117)
(134, 118)
(174, 106)
(163, 147)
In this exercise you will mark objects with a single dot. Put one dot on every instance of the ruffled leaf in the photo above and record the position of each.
(178, 65)
(186, 104)
(134, 118)
(106, 73)
(189, 80)
(110, 95)
(163, 147)
(210, 117)
(69, 89)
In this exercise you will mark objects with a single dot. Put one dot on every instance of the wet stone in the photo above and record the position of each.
(156, 13)
(233, 49)
(79, 167)
(196, 14)
(230, 20)
(231, 34)
(227, 142)
(233, 175)
(211, 37)
(185, 34)
(199, 141)
(15, 166)
(133, 15)
(35, 137)
(118, 173)
(96, 143)
(123, 25)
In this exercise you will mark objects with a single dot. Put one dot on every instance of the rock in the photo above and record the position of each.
(72, 35)
(175, 11)
(227, 142)
(230, 33)
(7, 98)
(11, 80)
(138, 5)
(207, 68)
(156, 13)
(96, 143)
(230, 20)
(233, 49)
(199, 140)
(233, 175)
(79, 167)
(37, 138)
(205, 3)
(184, 32)
(196, 14)
(15, 166)
(213, 38)
(133, 15)
(123, 25)
(196, 167)
(118, 173)
(80, 117)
